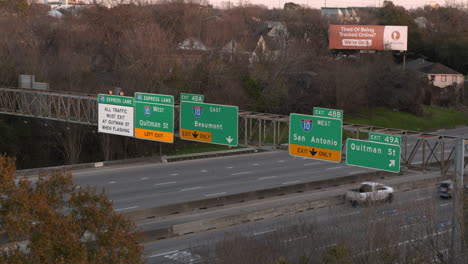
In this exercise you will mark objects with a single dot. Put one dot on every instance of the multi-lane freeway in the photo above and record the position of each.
(152, 185)
(413, 210)
(148, 185)
(139, 186)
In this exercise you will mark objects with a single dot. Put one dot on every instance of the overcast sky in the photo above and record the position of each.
(336, 3)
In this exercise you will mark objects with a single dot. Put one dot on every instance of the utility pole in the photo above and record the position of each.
(456, 247)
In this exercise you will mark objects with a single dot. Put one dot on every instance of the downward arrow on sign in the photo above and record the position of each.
(194, 134)
(313, 152)
(229, 139)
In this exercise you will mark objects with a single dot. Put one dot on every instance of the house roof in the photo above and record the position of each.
(272, 43)
(428, 67)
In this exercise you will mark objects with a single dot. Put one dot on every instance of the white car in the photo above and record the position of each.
(370, 192)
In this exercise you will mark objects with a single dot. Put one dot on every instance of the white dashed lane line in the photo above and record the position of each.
(229, 167)
(174, 174)
(255, 164)
(164, 183)
(203, 171)
(189, 189)
(280, 161)
(112, 182)
(357, 172)
(144, 178)
(163, 254)
(334, 168)
(240, 173)
(290, 182)
(423, 198)
(215, 194)
(266, 178)
(313, 163)
(264, 232)
(126, 208)
(445, 204)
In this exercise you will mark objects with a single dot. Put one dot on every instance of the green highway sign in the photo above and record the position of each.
(330, 113)
(154, 117)
(383, 138)
(315, 137)
(211, 123)
(185, 97)
(374, 155)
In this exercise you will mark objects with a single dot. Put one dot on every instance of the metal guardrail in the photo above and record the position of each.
(262, 130)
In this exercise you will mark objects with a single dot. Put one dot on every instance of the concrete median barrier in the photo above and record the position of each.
(202, 225)
(197, 205)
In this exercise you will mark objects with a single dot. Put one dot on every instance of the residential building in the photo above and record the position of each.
(440, 75)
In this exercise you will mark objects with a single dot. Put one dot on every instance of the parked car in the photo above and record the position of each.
(370, 192)
(445, 189)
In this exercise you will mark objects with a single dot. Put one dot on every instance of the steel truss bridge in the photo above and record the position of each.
(419, 150)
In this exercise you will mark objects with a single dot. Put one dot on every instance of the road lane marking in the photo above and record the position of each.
(268, 177)
(445, 204)
(353, 213)
(334, 168)
(255, 164)
(240, 173)
(264, 232)
(215, 194)
(189, 189)
(203, 171)
(144, 178)
(279, 161)
(293, 239)
(290, 182)
(162, 254)
(112, 182)
(423, 198)
(164, 183)
(313, 163)
(229, 167)
(126, 208)
(357, 172)
(174, 174)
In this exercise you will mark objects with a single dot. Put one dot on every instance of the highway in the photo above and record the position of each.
(148, 185)
(407, 218)
(158, 184)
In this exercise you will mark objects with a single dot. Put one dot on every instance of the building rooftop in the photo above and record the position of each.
(428, 67)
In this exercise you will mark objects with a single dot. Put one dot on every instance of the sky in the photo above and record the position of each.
(408, 4)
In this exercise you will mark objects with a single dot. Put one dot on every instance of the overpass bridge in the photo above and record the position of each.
(419, 149)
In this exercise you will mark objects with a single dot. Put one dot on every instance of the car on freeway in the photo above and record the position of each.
(445, 189)
(369, 192)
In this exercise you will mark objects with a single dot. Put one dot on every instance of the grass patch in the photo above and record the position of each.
(190, 148)
(434, 118)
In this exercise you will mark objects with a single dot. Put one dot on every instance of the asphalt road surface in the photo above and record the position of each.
(412, 210)
(144, 186)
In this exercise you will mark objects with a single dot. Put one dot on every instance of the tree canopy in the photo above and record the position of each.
(58, 222)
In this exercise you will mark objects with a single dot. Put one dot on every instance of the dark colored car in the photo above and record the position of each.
(445, 189)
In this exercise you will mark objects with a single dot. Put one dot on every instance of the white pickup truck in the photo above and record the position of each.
(370, 192)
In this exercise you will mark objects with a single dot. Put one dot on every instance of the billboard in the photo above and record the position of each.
(363, 37)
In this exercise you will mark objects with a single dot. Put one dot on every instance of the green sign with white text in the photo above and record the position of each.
(210, 123)
(330, 113)
(315, 137)
(383, 138)
(185, 97)
(154, 117)
(373, 155)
